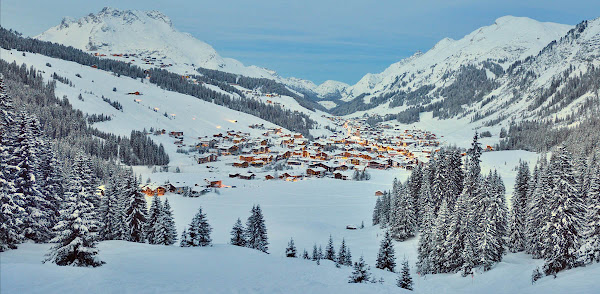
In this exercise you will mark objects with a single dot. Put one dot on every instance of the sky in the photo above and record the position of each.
(316, 40)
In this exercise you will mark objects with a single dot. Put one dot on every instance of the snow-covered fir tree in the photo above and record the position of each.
(404, 279)
(426, 245)
(518, 214)
(153, 224)
(361, 272)
(237, 234)
(136, 215)
(330, 250)
(184, 242)
(315, 253)
(290, 251)
(110, 213)
(256, 231)
(75, 244)
(305, 255)
(563, 229)
(198, 232)
(403, 223)
(385, 258)
(590, 250)
(167, 233)
(342, 257)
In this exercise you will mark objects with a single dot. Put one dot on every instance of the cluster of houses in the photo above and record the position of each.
(358, 147)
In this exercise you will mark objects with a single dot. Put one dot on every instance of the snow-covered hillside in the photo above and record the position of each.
(144, 33)
(509, 39)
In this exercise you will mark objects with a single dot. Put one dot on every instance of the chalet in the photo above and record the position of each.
(269, 177)
(294, 162)
(243, 164)
(249, 176)
(207, 158)
(257, 163)
(340, 176)
(215, 184)
(247, 158)
(315, 172)
(378, 164)
(378, 193)
(175, 134)
(157, 190)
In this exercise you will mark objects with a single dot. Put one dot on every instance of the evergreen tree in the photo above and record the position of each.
(567, 209)
(404, 222)
(136, 215)
(111, 214)
(329, 250)
(290, 251)
(426, 244)
(198, 233)
(319, 255)
(591, 248)
(348, 257)
(237, 234)
(167, 234)
(518, 214)
(153, 224)
(342, 254)
(185, 242)
(385, 257)
(404, 280)
(75, 245)
(256, 231)
(361, 273)
(315, 253)
(305, 255)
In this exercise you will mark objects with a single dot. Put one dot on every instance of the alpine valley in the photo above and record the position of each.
(135, 158)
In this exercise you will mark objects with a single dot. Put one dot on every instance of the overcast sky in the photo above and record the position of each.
(313, 39)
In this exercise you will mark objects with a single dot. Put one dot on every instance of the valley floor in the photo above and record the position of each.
(309, 211)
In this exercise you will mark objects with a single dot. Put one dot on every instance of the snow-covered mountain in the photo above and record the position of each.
(145, 33)
(507, 40)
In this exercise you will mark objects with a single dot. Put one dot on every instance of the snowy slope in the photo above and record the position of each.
(113, 31)
(509, 38)
(309, 211)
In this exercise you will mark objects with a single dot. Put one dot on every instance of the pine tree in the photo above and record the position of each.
(516, 241)
(491, 240)
(404, 221)
(198, 233)
(329, 250)
(290, 251)
(361, 273)
(237, 234)
(75, 243)
(256, 231)
(404, 280)
(426, 245)
(342, 254)
(110, 214)
(153, 225)
(590, 251)
(136, 215)
(567, 209)
(305, 255)
(385, 257)
(167, 233)
(315, 253)
(185, 242)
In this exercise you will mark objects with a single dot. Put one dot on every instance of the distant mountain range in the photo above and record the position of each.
(512, 69)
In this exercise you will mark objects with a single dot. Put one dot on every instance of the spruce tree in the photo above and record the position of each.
(110, 214)
(567, 210)
(136, 215)
(404, 221)
(198, 233)
(361, 273)
(256, 231)
(342, 254)
(590, 251)
(290, 251)
(426, 244)
(75, 244)
(168, 231)
(315, 253)
(385, 258)
(185, 242)
(153, 225)
(404, 280)
(305, 255)
(516, 241)
(237, 234)
(329, 250)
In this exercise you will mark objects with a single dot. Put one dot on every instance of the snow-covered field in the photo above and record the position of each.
(309, 211)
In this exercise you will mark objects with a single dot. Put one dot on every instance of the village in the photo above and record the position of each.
(276, 154)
